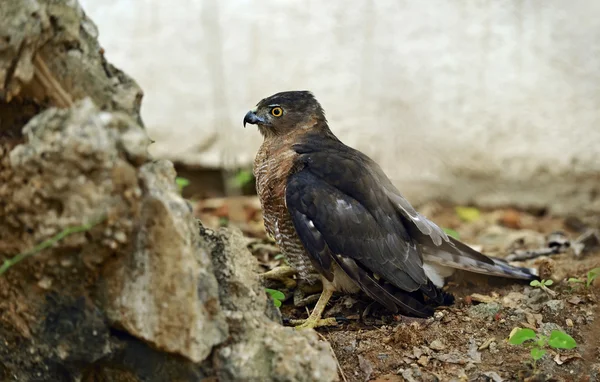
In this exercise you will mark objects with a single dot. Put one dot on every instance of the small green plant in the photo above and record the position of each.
(276, 295)
(590, 277)
(557, 340)
(49, 243)
(543, 285)
(181, 183)
(243, 177)
(451, 232)
(467, 214)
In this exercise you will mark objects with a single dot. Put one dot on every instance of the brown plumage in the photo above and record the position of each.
(333, 211)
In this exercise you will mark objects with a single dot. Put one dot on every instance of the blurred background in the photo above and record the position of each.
(473, 102)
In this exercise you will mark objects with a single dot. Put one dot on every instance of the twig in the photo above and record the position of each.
(51, 84)
(337, 362)
(520, 255)
(48, 243)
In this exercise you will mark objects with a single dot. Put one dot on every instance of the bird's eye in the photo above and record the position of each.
(277, 111)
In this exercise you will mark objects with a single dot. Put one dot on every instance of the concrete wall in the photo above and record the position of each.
(489, 102)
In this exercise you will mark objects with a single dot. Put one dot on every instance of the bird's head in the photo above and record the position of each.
(285, 113)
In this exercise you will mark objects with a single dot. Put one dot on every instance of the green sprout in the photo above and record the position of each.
(467, 214)
(590, 277)
(543, 285)
(276, 295)
(181, 183)
(451, 232)
(243, 177)
(48, 243)
(557, 340)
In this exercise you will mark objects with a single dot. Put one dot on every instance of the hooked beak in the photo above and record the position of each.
(253, 119)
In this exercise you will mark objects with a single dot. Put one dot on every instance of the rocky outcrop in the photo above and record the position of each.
(116, 281)
(260, 349)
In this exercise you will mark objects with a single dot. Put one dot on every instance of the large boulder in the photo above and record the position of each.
(105, 273)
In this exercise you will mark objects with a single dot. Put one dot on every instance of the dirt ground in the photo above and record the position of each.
(467, 341)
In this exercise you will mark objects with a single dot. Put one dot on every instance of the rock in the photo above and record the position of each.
(511, 218)
(493, 347)
(437, 345)
(165, 291)
(555, 306)
(484, 311)
(483, 298)
(493, 376)
(128, 291)
(547, 327)
(473, 353)
(513, 300)
(536, 296)
(259, 348)
(73, 167)
(365, 366)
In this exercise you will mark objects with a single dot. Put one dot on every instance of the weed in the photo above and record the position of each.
(543, 285)
(243, 177)
(48, 243)
(557, 340)
(276, 295)
(590, 277)
(451, 232)
(181, 183)
(467, 214)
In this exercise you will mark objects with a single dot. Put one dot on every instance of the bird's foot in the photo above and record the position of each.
(282, 274)
(311, 323)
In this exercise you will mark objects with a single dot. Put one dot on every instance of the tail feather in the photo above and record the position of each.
(394, 299)
(441, 263)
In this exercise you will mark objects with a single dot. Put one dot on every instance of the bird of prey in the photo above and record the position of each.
(331, 209)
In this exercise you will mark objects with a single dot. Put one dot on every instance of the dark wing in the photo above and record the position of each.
(439, 248)
(340, 212)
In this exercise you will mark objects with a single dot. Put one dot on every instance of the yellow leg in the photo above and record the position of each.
(315, 320)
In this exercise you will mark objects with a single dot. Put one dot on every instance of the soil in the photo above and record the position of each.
(467, 341)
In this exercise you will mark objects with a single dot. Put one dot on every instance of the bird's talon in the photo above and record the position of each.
(312, 323)
(282, 274)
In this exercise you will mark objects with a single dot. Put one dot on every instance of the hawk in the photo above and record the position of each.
(331, 209)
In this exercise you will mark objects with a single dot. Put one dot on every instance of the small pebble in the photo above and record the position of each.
(493, 347)
(66, 262)
(437, 345)
(555, 306)
(45, 283)
(438, 315)
(487, 343)
(423, 360)
(569, 322)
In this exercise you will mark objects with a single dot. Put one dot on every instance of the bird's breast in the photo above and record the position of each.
(272, 167)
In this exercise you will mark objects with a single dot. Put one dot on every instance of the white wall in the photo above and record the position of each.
(477, 101)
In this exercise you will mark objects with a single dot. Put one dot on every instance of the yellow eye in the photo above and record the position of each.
(276, 111)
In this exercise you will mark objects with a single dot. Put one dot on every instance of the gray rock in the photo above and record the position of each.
(259, 349)
(547, 327)
(484, 311)
(133, 295)
(165, 291)
(555, 306)
(437, 345)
